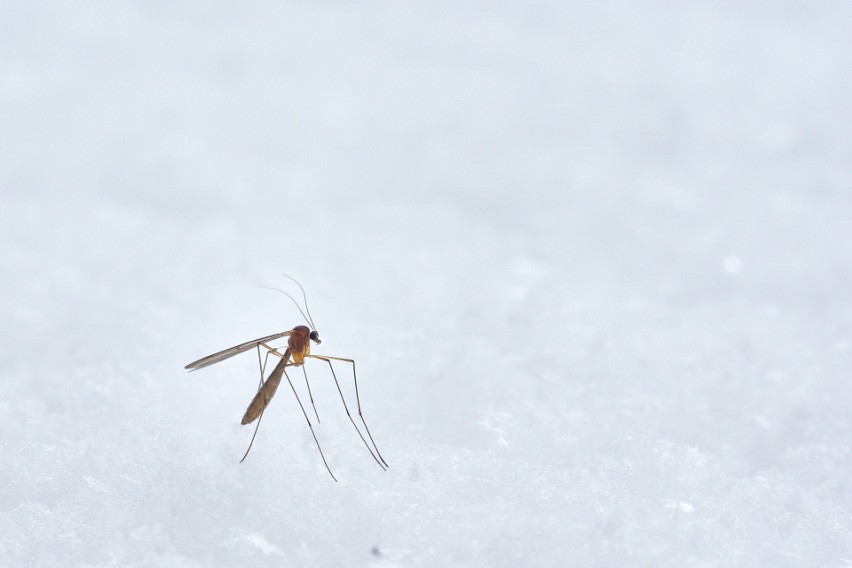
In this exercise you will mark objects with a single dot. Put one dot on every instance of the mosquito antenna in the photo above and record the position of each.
(304, 298)
(292, 299)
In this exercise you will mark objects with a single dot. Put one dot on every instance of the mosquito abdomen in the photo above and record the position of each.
(266, 392)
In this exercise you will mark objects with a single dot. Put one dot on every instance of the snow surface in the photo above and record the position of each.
(593, 260)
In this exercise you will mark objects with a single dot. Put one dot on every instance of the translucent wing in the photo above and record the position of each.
(231, 351)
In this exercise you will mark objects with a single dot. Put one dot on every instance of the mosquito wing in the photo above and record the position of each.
(231, 351)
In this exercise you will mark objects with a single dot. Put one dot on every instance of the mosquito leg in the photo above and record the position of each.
(259, 418)
(274, 350)
(361, 415)
(346, 407)
(309, 425)
(272, 378)
(262, 368)
(357, 398)
(310, 394)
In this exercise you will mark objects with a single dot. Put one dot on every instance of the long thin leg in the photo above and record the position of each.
(346, 407)
(310, 394)
(262, 368)
(259, 418)
(309, 425)
(274, 351)
(328, 360)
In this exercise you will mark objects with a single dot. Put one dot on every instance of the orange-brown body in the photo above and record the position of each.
(298, 347)
(299, 344)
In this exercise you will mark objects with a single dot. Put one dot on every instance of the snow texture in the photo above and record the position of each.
(592, 259)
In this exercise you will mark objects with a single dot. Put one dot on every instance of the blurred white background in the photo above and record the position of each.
(592, 260)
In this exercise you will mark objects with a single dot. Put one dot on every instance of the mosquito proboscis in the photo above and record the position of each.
(298, 349)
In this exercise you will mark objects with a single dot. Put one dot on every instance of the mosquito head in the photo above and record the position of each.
(315, 337)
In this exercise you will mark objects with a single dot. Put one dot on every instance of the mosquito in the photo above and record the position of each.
(298, 349)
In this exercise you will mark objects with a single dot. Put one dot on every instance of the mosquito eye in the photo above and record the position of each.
(314, 335)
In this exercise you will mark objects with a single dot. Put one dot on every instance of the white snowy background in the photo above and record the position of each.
(593, 260)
